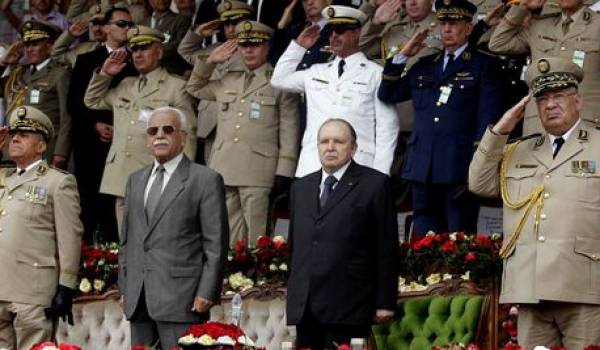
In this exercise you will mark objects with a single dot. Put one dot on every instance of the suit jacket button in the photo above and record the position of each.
(542, 239)
(315, 243)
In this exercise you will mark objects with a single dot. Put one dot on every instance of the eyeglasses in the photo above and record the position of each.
(122, 23)
(558, 97)
(166, 129)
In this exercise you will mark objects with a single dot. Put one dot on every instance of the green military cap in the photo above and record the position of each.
(336, 14)
(97, 12)
(27, 118)
(454, 10)
(34, 30)
(253, 32)
(232, 11)
(142, 36)
(553, 73)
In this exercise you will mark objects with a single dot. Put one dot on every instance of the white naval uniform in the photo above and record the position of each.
(352, 97)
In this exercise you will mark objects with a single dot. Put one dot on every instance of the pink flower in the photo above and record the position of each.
(471, 257)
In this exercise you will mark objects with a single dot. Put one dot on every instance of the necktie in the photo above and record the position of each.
(155, 192)
(142, 83)
(341, 65)
(248, 80)
(450, 60)
(21, 172)
(327, 189)
(558, 143)
(566, 24)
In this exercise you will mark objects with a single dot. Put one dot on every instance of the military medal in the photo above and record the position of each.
(34, 96)
(578, 57)
(445, 92)
(255, 110)
(583, 166)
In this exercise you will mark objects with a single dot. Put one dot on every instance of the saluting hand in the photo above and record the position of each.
(493, 17)
(511, 118)
(286, 17)
(387, 12)
(209, 28)
(309, 36)
(222, 52)
(115, 63)
(416, 43)
(78, 28)
(13, 53)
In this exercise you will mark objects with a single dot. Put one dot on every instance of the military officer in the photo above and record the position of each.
(551, 192)
(40, 238)
(572, 33)
(257, 128)
(455, 96)
(42, 83)
(132, 101)
(190, 48)
(62, 51)
(346, 88)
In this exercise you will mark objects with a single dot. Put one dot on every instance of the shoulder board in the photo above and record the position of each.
(59, 170)
(523, 138)
(546, 15)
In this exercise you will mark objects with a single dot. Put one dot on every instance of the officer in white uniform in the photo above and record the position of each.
(345, 87)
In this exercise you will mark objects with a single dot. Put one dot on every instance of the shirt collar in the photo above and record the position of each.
(170, 165)
(321, 23)
(458, 51)
(41, 66)
(351, 60)
(338, 174)
(566, 135)
(30, 166)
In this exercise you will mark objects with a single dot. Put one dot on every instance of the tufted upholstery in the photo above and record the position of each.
(100, 325)
(427, 321)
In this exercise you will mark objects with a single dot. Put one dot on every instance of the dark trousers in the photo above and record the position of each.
(443, 208)
(149, 332)
(314, 335)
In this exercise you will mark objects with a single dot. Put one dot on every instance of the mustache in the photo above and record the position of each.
(160, 142)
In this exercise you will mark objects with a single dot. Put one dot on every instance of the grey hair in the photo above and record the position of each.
(172, 110)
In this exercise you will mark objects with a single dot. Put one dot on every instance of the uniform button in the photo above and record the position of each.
(129, 138)
(308, 52)
(0, 229)
(436, 119)
(132, 122)
(315, 243)
(543, 216)
(236, 139)
(304, 65)
(242, 101)
(513, 82)
(36, 264)
(546, 195)
(438, 103)
(127, 154)
(547, 176)
(542, 239)
(562, 48)
(9, 197)
(462, 86)
(595, 257)
(240, 114)
(237, 126)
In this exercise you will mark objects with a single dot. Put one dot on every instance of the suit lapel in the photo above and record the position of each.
(313, 191)
(139, 190)
(175, 186)
(345, 185)
(577, 27)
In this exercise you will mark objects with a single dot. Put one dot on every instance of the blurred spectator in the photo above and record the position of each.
(186, 7)
(572, 34)
(93, 130)
(41, 82)
(346, 87)
(43, 10)
(132, 102)
(455, 96)
(190, 48)
(257, 128)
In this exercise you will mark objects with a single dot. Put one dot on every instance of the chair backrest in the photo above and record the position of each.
(423, 322)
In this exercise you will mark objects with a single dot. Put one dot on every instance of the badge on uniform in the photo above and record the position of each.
(445, 92)
(34, 96)
(578, 57)
(583, 166)
(37, 194)
(255, 110)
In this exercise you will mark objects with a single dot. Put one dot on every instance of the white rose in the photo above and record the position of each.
(101, 262)
(206, 340)
(514, 311)
(283, 267)
(466, 276)
(278, 239)
(434, 278)
(430, 234)
(244, 340)
(99, 285)
(225, 340)
(85, 286)
(453, 236)
(187, 340)
(273, 267)
(539, 347)
(446, 277)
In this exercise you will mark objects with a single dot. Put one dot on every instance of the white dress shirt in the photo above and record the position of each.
(338, 175)
(30, 166)
(565, 136)
(170, 167)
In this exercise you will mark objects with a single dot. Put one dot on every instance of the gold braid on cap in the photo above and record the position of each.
(553, 80)
(32, 35)
(527, 202)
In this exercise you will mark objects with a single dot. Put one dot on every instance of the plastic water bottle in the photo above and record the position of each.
(236, 309)
(358, 344)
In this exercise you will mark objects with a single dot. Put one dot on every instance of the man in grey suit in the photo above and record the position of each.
(175, 238)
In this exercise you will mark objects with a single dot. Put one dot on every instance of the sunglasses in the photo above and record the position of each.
(97, 22)
(166, 129)
(122, 23)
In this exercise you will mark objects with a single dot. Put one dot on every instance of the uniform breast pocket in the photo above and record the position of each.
(587, 52)
(544, 45)
(520, 182)
(226, 105)
(262, 109)
(32, 206)
(358, 96)
(422, 88)
(41, 93)
(585, 187)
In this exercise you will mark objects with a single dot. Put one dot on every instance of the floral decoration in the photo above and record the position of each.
(99, 268)
(264, 264)
(48, 345)
(215, 334)
(471, 346)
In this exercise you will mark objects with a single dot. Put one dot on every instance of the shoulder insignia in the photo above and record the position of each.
(583, 135)
(466, 56)
(437, 57)
(527, 137)
(587, 16)
(42, 169)
(540, 141)
(269, 73)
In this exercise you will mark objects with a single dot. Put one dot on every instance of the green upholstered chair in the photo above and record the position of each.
(423, 322)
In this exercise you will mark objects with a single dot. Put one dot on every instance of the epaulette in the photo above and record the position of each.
(523, 138)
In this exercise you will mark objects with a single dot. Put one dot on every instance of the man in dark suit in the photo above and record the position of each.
(92, 129)
(343, 238)
(175, 238)
(455, 96)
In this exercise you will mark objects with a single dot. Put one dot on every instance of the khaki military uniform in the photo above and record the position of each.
(556, 257)
(46, 90)
(131, 108)
(544, 38)
(40, 242)
(256, 139)
(64, 54)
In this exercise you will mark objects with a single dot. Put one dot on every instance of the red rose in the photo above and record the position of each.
(138, 347)
(240, 257)
(263, 242)
(426, 242)
(66, 346)
(460, 236)
(449, 247)
(438, 238)
(42, 345)
(240, 245)
(484, 241)
(513, 346)
(281, 248)
(264, 255)
(470, 257)
(344, 347)
(592, 347)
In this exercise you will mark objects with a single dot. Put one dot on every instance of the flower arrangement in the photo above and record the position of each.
(264, 264)
(99, 268)
(457, 347)
(215, 335)
(48, 345)
(437, 257)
